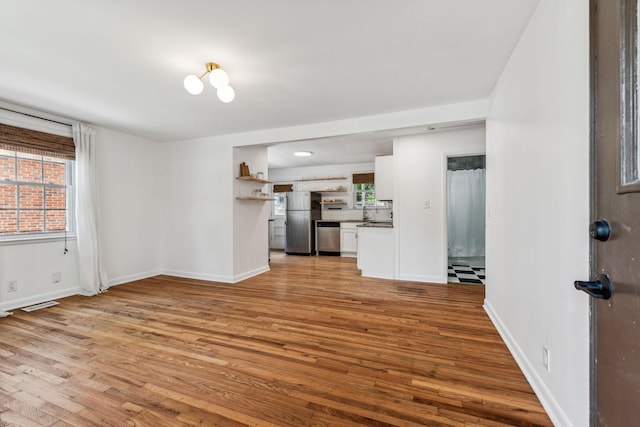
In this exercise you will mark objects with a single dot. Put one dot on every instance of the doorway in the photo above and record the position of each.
(466, 198)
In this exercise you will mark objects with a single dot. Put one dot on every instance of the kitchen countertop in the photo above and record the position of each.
(377, 224)
(340, 220)
(362, 223)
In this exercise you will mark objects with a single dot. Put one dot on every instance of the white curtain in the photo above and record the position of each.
(93, 278)
(466, 212)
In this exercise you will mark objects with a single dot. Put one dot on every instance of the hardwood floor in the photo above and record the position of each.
(310, 343)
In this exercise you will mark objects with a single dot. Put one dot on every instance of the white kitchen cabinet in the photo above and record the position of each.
(376, 252)
(384, 177)
(348, 239)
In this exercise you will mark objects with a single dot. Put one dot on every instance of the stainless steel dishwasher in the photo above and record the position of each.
(328, 237)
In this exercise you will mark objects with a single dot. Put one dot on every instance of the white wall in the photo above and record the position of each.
(538, 206)
(420, 165)
(199, 210)
(130, 205)
(31, 265)
(250, 217)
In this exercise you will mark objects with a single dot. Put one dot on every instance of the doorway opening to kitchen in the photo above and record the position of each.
(466, 198)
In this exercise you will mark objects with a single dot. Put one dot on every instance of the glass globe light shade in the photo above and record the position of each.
(218, 78)
(193, 84)
(226, 93)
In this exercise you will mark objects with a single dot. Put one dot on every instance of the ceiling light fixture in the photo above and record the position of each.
(302, 153)
(218, 79)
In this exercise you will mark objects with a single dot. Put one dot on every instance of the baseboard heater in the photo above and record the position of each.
(39, 306)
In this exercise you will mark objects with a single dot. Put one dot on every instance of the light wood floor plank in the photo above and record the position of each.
(310, 343)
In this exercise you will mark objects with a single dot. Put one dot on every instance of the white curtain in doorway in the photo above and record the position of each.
(466, 212)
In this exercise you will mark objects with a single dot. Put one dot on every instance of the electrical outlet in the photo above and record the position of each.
(427, 204)
(546, 359)
(56, 277)
(12, 285)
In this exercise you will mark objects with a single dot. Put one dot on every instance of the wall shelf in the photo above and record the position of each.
(253, 179)
(336, 178)
(332, 190)
(261, 199)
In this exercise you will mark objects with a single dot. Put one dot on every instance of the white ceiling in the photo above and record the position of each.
(120, 63)
(358, 148)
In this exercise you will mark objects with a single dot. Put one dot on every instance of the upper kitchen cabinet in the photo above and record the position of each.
(384, 177)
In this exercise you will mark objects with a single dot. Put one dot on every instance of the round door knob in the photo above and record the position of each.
(600, 230)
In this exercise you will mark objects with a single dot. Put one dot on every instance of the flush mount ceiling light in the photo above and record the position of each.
(218, 79)
(302, 153)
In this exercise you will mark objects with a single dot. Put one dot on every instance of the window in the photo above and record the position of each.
(278, 204)
(36, 194)
(364, 195)
(36, 176)
(279, 193)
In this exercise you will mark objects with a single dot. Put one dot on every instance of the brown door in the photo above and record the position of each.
(615, 328)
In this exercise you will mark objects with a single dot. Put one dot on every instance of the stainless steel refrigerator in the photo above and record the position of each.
(302, 210)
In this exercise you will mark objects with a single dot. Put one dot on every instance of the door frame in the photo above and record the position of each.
(592, 209)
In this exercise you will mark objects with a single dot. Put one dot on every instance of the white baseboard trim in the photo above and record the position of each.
(548, 401)
(377, 276)
(198, 276)
(133, 277)
(427, 279)
(248, 274)
(39, 298)
(217, 278)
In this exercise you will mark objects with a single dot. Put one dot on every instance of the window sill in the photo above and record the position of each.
(21, 240)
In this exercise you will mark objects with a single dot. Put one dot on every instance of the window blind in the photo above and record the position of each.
(282, 188)
(36, 142)
(363, 178)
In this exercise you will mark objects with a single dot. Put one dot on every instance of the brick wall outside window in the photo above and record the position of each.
(33, 193)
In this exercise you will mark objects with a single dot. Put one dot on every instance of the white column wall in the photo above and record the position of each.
(198, 202)
(421, 170)
(538, 206)
(130, 207)
(250, 217)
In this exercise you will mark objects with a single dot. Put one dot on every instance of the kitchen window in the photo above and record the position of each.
(278, 204)
(279, 193)
(364, 195)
